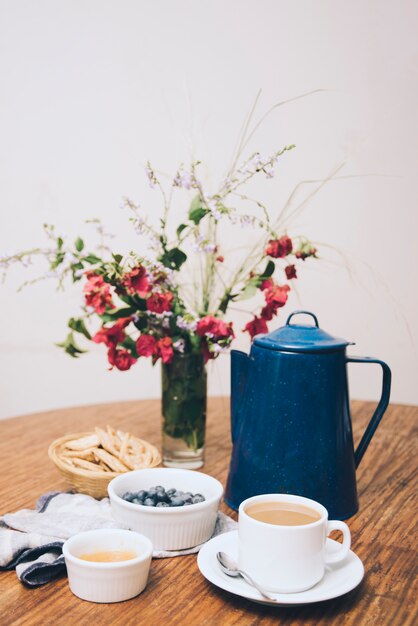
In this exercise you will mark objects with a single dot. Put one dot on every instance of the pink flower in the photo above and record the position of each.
(279, 248)
(146, 345)
(160, 302)
(136, 281)
(97, 293)
(120, 358)
(257, 326)
(112, 335)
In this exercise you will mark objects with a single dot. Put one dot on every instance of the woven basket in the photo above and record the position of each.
(81, 480)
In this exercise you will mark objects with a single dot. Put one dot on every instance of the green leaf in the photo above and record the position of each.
(92, 258)
(227, 298)
(195, 203)
(196, 211)
(130, 345)
(141, 323)
(269, 271)
(70, 347)
(79, 244)
(58, 260)
(79, 326)
(111, 316)
(249, 291)
(118, 257)
(60, 242)
(198, 214)
(173, 258)
(180, 229)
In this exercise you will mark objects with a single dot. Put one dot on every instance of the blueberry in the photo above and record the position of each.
(161, 497)
(187, 496)
(141, 495)
(179, 493)
(160, 504)
(177, 501)
(198, 498)
(171, 492)
(129, 496)
(136, 501)
(188, 503)
(159, 488)
(152, 491)
(149, 502)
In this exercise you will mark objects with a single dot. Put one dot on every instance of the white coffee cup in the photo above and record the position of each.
(287, 559)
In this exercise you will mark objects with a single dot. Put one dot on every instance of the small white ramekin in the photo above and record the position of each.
(107, 582)
(169, 528)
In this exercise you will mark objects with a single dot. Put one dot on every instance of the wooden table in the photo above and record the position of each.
(383, 530)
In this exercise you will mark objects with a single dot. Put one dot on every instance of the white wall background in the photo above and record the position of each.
(89, 90)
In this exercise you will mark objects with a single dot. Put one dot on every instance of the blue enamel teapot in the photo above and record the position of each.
(290, 418)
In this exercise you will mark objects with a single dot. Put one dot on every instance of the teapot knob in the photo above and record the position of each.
(304, 313)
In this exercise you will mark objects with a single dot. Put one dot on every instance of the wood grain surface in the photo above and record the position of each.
(384, 531)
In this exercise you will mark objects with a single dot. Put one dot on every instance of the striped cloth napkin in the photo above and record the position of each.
(31, 540)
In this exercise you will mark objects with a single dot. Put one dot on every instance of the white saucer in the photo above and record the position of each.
(339, 577)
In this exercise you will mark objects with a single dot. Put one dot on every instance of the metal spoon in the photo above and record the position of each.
(230, 568)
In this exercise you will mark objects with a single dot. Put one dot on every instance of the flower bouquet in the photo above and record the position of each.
(169, 300)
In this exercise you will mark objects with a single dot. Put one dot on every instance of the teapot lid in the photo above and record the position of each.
(300, 337)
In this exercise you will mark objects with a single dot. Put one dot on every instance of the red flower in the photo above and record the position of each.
(114, 334)
(220, 259)
(268, 311)
(290, 272)
(97, 293)
(160, 302)
(122, 359)
(306, 250)
(215, 333)
(279, 248)
(165, 349)
(136, 281)
(146, 345)
(257, 326)
(276, 297)
(216, 328)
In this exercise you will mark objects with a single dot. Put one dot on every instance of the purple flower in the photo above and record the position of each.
(184, 180)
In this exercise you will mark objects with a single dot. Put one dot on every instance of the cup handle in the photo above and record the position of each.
(341, 553)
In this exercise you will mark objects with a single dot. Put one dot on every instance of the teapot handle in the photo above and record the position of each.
(303, 313)
(380, 409)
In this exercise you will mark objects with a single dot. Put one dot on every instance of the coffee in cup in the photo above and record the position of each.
(282, 541)
(282, 513)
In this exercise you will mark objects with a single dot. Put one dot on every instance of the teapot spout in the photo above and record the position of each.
(239, 374)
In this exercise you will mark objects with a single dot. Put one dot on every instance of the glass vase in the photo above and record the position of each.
(184, 392)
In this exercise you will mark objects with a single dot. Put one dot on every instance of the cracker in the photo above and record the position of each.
(115, 464)
(93, 467)
(109, 451)
(83, 443)
(87, 454)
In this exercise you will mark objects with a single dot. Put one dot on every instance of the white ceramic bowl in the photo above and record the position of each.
(107, 582)
(169, 528)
